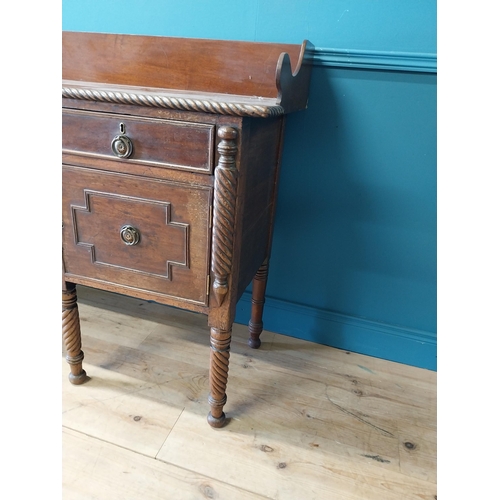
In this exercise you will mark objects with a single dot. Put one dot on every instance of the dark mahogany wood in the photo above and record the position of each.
(72, 335)
(185, 64)
(191, 150)
(171, 154)
(256, 325)
(172, 220)
(220, 341)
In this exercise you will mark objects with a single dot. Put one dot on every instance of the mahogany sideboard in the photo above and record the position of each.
(170, 160)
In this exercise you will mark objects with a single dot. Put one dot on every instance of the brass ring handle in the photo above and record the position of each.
(130, 235)
(122, 146)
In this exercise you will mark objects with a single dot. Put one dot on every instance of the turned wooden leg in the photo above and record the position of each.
(255, 325)
(72, 336)
(220, 341)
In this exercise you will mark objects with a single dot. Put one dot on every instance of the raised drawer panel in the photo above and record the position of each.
(143, 233)
(155, 142)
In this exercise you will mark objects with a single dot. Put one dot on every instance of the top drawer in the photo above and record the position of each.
(153, 142)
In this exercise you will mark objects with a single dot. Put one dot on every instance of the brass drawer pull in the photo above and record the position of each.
(130, 235)
(122, 146)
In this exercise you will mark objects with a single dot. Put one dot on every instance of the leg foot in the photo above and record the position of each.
(216, 422)
(255, 325)
(78, 379)
(72, 335)
(254, 340)
(80, 376)
(220, 341)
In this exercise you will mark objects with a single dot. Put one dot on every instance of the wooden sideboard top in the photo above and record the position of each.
(225, 77)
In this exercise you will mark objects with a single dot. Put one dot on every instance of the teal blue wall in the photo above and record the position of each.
(354, 256)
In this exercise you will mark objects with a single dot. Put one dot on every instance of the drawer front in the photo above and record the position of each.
(143, 233)
(154, 142)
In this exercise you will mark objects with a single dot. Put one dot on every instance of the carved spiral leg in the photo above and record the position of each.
(220, 341)
(72, 336)
(255, 325)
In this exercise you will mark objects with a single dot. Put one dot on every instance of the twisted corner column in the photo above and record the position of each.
(255, 326)
(220, 341)
(225, 188)
(72, 335)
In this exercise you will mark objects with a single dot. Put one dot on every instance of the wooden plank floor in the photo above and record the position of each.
(306, 421)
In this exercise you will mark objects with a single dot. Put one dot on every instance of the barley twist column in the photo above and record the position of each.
(72, 335)
(226, 176)
(220, 341)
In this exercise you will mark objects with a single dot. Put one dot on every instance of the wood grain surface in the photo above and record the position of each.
(305, 421)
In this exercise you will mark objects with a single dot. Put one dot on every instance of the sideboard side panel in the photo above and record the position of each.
(260, 168)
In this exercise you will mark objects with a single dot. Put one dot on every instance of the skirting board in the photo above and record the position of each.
(393, 343)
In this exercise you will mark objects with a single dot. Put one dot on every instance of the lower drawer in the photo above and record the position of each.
(143, 233)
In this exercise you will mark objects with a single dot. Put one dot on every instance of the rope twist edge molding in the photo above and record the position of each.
(207, 106)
